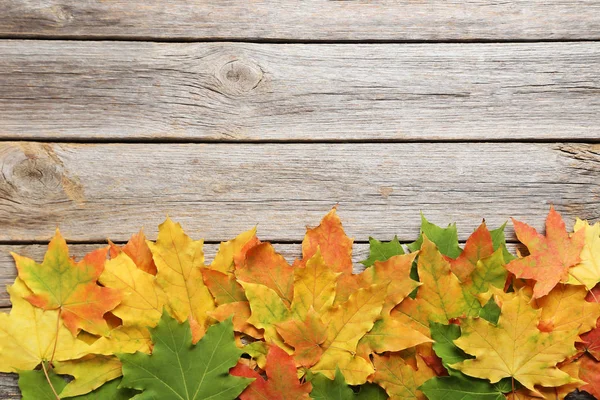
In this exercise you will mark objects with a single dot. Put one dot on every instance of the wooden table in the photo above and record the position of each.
(227, 114)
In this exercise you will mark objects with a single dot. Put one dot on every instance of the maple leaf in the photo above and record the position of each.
(306, 337)
(381, 251)
(515, 347)
(28, 335)
(400, 380)
(232, 252)
(60, 283)
(123, 339)
(589, 371)
(282, 380)
(565, 309)
(178, 369)
(240, 311)
(179, 261)
(590, 342)
(461, 387)
(314, 286)
(223, 287)
(346, 324)
(90, 373)
(389, 334)
(137, 249)
(446, 239)
(263, 265)
(335, 246)
(587, 272)
(143, 301)
(267, 309)
(550, 257)
(479, 245)
(337, 389)
(439, 299)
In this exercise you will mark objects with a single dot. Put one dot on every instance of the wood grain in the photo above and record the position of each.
(297, 92)
(303, 20)
(98, 191)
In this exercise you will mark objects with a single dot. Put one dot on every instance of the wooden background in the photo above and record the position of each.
(225, 114)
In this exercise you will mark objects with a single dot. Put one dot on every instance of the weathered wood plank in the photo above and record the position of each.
(9, 390)
(303, 20)
(95, 191)
(236, 91)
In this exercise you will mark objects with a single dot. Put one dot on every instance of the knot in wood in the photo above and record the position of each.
(60, 15)
(240, 76)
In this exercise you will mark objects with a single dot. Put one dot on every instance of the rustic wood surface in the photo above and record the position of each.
(115, 113)
(303, 20)
(260, 92)
(98, 191)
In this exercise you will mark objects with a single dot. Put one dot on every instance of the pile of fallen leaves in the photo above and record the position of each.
(154, 321)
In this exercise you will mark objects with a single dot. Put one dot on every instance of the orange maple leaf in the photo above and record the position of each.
(282, 380)
(60, 283)
(550, 257)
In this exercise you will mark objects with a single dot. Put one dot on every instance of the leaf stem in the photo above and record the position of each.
(56, 337)
(48, 379)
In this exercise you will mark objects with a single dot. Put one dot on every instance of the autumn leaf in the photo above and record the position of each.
(389, 334)
(282, 381)
(446, 239)
(565, 309)
(590, 342)
(137, 249)
(589, 372)
(337, 389)
(460, 387)
(179, 261)
(314, 286)
(346, 324)
(335, 246)
(306, 337)
(223, 287)
(232, 252)
(479, 245)
(143, 300)
(381, 251)
(28, 335)
(400, 380)
(439, 299)
(587, 272)
(178, 369)
(267, 310)
(515, 347)
(240, 311)
(550, 257)
(70, 287)
(90, 373)
(263, 265)
(123, 339)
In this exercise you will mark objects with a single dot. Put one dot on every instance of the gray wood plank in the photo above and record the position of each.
(299, 92)
(303, 20)
(9, 390)
(95, 191)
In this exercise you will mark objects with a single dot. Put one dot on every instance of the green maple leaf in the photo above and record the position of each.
(446, 239)
(461, 387)
(34, 386)
(337, 389)
(381, 251)
(179, 370)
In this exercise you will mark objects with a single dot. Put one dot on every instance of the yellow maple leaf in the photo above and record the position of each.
(179, 261)
(28, 334)
(232, 251)
(143, 302)
(515, 347)
(587, 272)
(399, 379)
(565, 309)
(90, 373)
